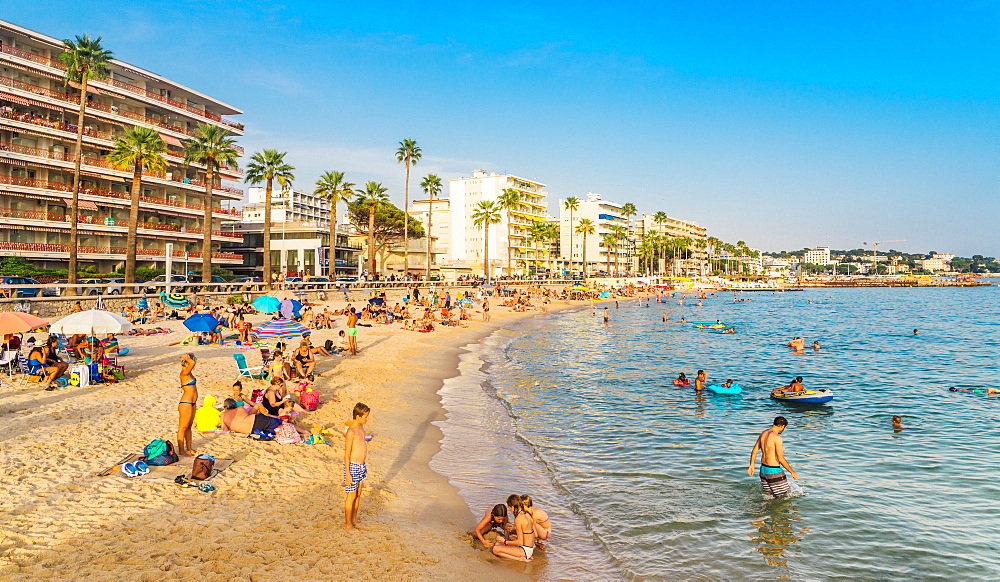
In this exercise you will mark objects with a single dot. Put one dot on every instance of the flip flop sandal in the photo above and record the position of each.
(181, 481)
(206, 488)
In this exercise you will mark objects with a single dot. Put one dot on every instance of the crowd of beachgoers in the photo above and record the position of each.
(286, 395)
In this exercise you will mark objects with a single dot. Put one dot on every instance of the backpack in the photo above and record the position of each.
(309, 399)
(160, 453)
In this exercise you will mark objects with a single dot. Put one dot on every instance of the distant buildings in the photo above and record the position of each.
(818, 256)
(694, 260)
(287, 205)
(300, 234)
(38, 113)
(935, 263)
(467, 242)
(604, 214)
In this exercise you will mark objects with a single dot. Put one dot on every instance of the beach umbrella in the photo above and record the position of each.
(280, 329)
(377, 301)
(15, 322)
(289, 307)
(91, 322)
(143, 303)
(266, 304)
(201, 322)
(580, 288)
(174, 300)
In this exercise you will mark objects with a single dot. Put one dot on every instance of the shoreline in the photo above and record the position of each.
(277, 503)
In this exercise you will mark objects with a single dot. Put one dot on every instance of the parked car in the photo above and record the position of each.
(90, 286)
(311, 282)
(347, 279)
(121, 281)
(177, 283)
(248, 280)
(24, 292)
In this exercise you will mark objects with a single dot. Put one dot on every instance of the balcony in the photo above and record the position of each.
(38, 90)
(109, 222)
(64, 187)
(120, 251)
(102, 163)
(57, 64)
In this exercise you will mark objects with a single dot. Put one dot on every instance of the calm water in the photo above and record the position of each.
(646, 481)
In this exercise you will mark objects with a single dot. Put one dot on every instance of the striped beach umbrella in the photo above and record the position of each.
(174, 300)
(143, 303)
(279, 329)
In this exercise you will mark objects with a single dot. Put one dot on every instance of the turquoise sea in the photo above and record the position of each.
(646, 481)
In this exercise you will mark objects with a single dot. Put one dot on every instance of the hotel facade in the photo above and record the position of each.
(468, 241)
(38, 113)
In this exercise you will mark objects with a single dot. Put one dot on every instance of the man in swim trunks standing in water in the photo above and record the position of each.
(772, 462)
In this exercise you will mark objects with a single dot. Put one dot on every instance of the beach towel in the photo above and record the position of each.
(181, 468)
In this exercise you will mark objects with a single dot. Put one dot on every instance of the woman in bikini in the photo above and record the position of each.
(494, 519)
(522, 546)
(187, 405)
(542, 525)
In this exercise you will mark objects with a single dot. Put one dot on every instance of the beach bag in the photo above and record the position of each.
(201, 468)
(257, 396)
(309, 399)
(160, 453)
(80, 376)
(287, 435)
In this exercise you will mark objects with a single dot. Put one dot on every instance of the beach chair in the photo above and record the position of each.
(27, 371)
(8, 359)
(254, 373)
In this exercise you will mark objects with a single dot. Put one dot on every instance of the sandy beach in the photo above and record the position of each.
(277, 512)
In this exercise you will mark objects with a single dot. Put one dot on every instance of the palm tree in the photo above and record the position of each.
(210, 145)
(332, 187)
(267, 166)
(620, 233)
(431, 185)
(409, 154)
(701, 244)
(85, 59)
(661, 218)
(586, 227)
(373, 195)
(487, 213)
(140, 148)
(628, 211)
(608, 240)
(539, 233)
(572, 204)
(508, 200)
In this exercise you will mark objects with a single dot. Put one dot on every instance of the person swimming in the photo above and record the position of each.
(897, 422)
(682, 380)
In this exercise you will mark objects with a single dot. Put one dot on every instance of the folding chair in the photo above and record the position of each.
(254, 373)
(27, 371)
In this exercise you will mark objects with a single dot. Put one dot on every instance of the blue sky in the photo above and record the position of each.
(785, 124)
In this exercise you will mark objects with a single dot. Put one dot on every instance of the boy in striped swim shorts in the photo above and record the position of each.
(355, 467)
(773, 464)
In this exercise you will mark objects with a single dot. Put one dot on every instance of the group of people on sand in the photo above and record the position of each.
(517, 540)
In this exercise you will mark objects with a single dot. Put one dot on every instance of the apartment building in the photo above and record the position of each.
(38, 113)
(438, 214)
(605, 215)
(468, 242)
(287, 205)
(694, 261)
(818, 256)
(298, 249)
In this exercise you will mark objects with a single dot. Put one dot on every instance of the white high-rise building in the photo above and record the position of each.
(817, 256)
(467, 240)
(693, 261)
(288, 205)
(605, 214)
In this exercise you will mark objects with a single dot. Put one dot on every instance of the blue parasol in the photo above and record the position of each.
(201, 322)
(289, 308)
(266, 304)
(143, 303)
